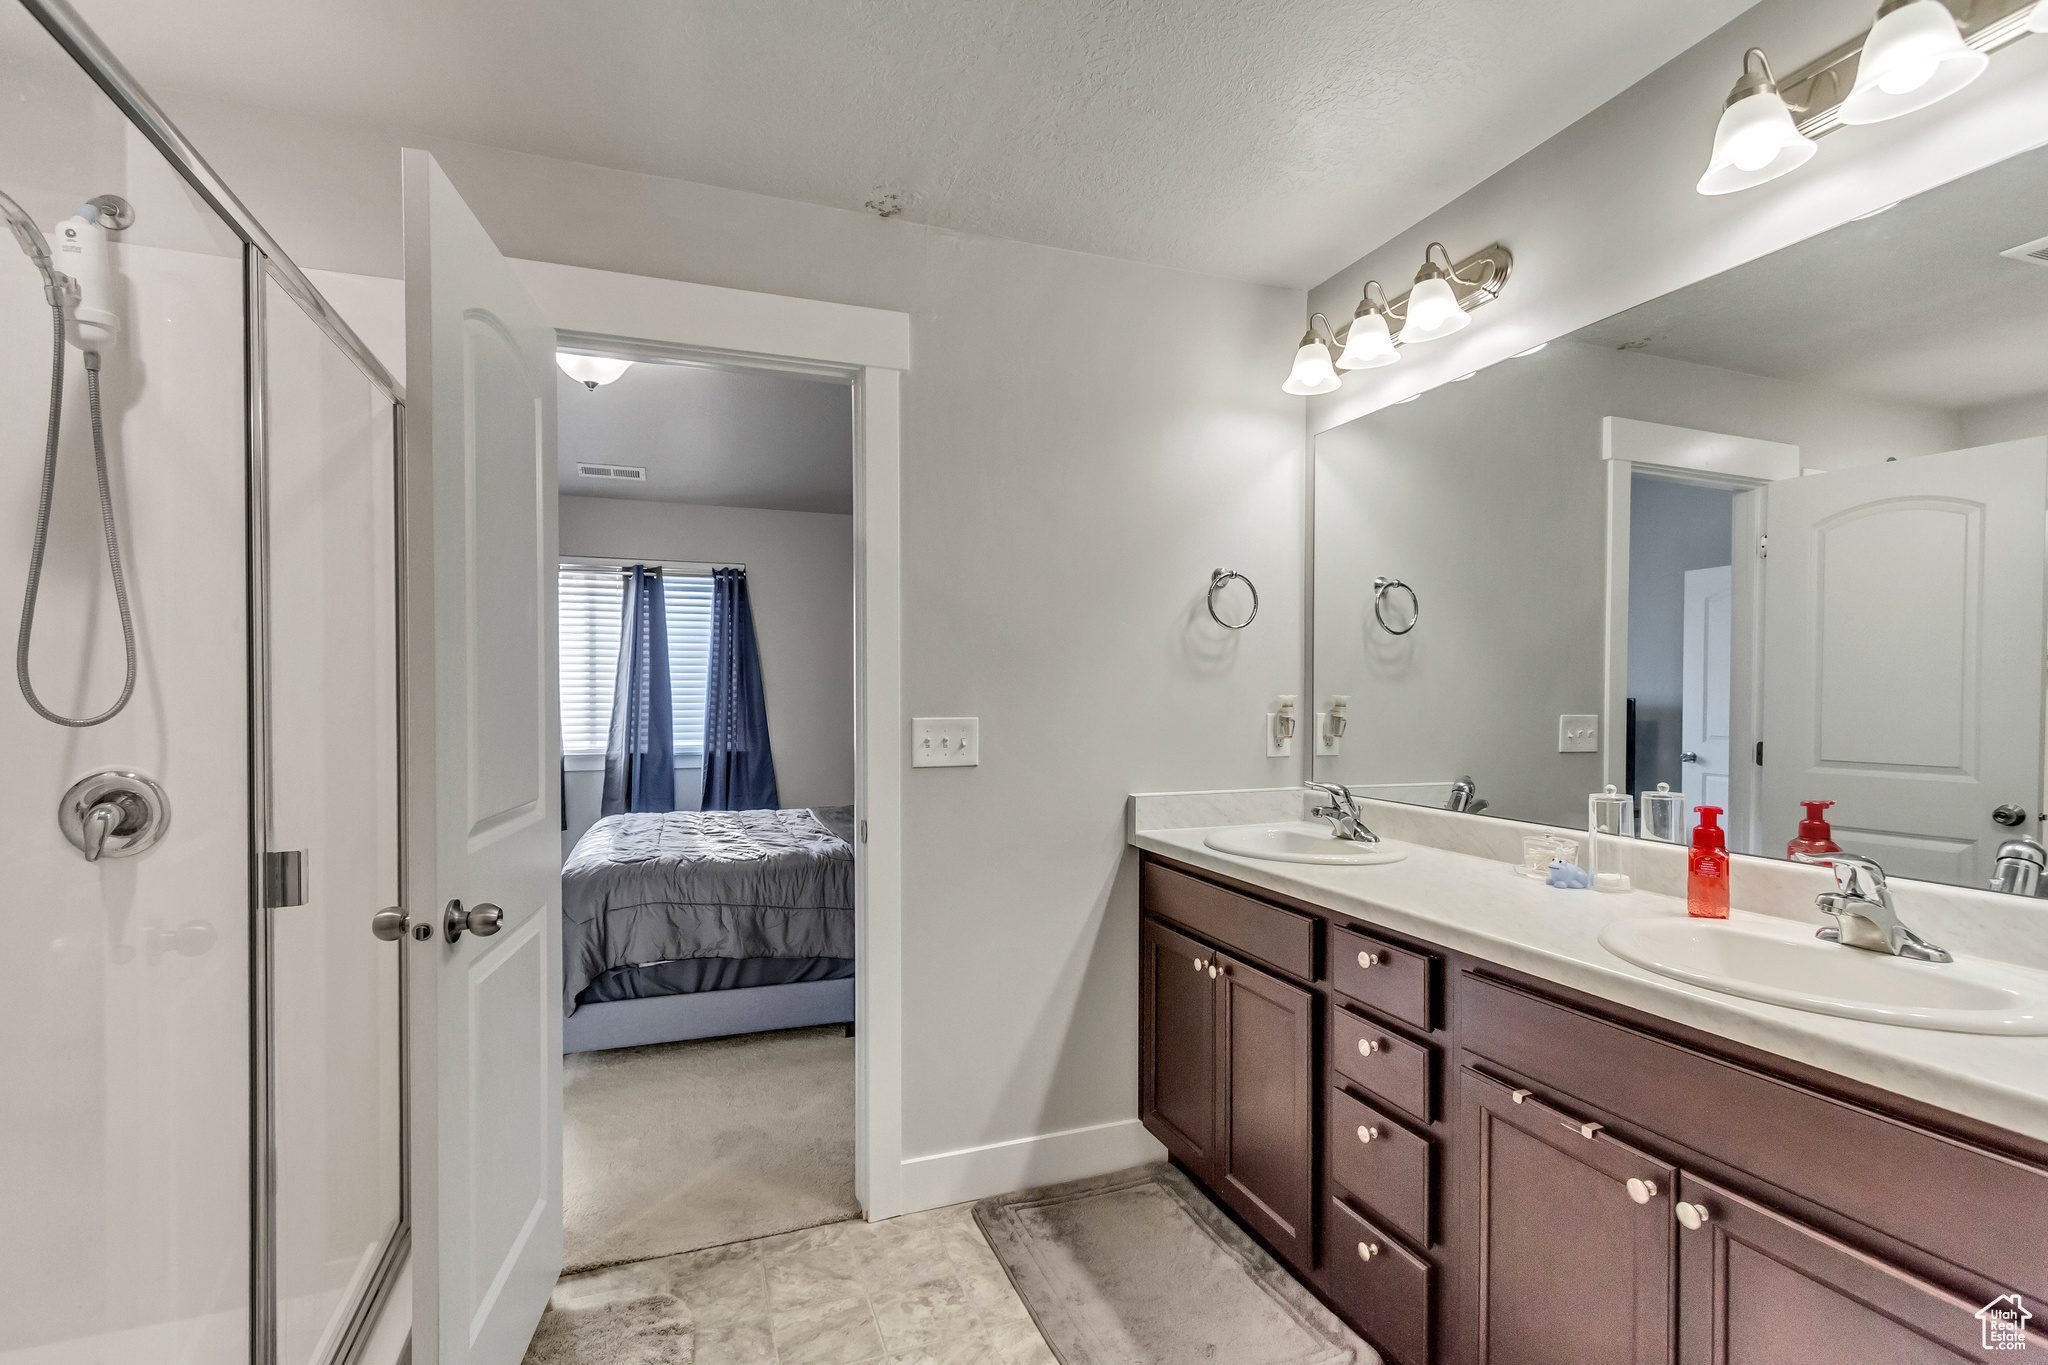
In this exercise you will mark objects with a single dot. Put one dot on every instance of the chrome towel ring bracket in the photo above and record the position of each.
(1380, 588)
(1216, 580)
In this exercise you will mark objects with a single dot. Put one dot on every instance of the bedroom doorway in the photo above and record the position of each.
(706, 632)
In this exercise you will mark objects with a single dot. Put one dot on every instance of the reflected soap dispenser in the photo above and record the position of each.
(1815, 837)
(1706, 873)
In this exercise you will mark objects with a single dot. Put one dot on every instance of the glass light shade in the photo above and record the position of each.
(1368, 344)
(1757, 141)
(1433, 312)
(592, 370)
(1312, 372)
(2039, 22)
(1914, 56)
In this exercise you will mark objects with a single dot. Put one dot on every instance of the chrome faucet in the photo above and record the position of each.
(1342, 813)
(1862, 906)
(1465, 797)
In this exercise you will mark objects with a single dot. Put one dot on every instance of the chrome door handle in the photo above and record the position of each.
(482, 919)
(1688, 757)
(389, 924)
(2010, 816)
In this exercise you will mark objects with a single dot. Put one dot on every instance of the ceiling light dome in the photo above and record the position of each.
(1369, 344)
(1756, 140)
(591, 370)
(1312, 373)
(1913, 56)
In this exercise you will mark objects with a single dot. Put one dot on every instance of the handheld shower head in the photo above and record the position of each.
(60, 289)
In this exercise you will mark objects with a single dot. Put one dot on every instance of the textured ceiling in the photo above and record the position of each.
(1270, 140)
(1913, 304)
(722, 437)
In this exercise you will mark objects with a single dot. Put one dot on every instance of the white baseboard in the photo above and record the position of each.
(931, 1182)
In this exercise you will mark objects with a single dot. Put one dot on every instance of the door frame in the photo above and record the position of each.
(870, 348)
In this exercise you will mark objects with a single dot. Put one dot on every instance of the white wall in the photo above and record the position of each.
(2009, 421)
(1489, 498)
(1604, 215)
(1063, 507)
(800, 584)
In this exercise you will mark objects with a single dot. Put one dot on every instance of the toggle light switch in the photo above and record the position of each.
(1578, 734)
(945, 742)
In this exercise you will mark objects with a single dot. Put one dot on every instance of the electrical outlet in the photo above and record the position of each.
(945, 742)
(1326, 743)
(1578, 734)
(1276, 747)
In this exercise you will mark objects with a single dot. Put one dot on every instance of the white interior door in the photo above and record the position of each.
(1903, 655)
(1704, 689)
(486, 1022)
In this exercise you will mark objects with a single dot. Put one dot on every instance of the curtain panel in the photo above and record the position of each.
(639, 756)
(739, 768)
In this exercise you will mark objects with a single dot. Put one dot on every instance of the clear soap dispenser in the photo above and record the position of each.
(1664, 815)
(1610, 826)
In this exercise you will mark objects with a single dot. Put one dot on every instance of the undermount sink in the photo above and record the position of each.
(1300, 842)
(1781, 962)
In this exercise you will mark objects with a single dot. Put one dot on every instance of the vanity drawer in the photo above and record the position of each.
(1382, 1061)
(1279, 938)
(1394, 981)
(1383, 1165)
(1379, 1284)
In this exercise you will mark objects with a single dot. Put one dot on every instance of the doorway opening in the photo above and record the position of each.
(706, 632)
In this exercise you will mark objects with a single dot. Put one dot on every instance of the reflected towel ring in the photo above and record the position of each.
(1216, 580)
(1380, 588)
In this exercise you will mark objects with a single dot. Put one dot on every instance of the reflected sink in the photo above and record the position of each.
(1781, 962)
(1300, 842)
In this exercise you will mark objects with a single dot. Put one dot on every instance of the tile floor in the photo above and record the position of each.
(923, 1289)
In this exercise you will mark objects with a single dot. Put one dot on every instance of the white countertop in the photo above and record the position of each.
(1478, 906)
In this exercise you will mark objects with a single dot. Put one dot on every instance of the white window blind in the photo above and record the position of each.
(592, 608)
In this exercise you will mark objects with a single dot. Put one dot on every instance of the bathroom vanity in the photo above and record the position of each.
(1428, 1092)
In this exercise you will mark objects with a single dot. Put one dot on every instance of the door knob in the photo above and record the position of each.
(482, 919)
(2010, 815)
(1642, 1191)
(1688, 757)
(389, 925)
(1691, 1217)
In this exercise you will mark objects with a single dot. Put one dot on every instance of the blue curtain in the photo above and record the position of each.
(739, 769)
(639, 755)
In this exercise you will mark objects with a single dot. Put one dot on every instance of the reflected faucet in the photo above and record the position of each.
(1465, 797)
(1342, 813)
(1862, 906)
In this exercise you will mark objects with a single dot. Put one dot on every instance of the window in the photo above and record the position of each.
(591, 608)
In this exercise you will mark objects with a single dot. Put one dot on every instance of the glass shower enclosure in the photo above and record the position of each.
(201, 1040)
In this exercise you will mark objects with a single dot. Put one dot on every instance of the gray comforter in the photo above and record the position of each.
(685, 884)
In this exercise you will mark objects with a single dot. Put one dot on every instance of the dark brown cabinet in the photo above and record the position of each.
(1177, 1045)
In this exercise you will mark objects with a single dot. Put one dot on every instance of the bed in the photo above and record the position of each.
(699, 924)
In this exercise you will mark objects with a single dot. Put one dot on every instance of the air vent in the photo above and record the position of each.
(613, 471)
(2032, 253)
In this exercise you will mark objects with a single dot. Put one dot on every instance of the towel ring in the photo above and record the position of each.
(1380, 588)
(1216, 580)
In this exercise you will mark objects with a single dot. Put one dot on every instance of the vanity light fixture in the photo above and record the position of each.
(1368, 343)
(1756, 140)
(591, 370)
(1433, 309)
(1914, 56)
(1313, 372)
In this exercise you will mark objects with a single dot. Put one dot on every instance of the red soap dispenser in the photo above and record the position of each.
(1706, 879)
(1814, 835)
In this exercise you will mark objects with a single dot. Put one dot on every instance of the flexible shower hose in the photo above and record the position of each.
(35, 562)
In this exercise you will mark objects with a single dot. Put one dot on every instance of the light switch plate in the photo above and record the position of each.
(945, 742)
(1578, 734)
(1326, 743)
(1278, 748)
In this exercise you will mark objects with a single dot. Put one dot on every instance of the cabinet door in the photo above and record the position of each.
(1573, 1238)
(1758, 1288)
(1267, 1098)
(1177, 1038)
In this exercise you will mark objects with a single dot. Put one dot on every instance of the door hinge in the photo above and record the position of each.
(1763, 546)
(1759, 753)
(284, 879)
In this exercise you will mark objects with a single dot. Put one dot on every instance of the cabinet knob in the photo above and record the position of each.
(1368, 1250)
(1368, 1046)
(1366, 1134)
(1692, 1217)
(1199, 964)
(1642, 1191)
(1368, 959)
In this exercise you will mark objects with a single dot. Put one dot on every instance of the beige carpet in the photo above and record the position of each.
(681, 1146)
(1139, 1268)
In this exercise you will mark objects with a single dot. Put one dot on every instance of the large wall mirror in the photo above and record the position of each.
(1778, 537)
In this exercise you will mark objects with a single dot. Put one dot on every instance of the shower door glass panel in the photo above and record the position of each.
(124, 1007)
(333, 662)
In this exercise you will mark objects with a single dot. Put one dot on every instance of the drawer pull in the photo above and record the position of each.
(1199, 964)
(1520, 1095)
(1691, 1217)
(1584, 1130)
(1368, 960)
(1368, 1046)
(1368, 1250)
(1642, 1191)
(1367, 1134)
